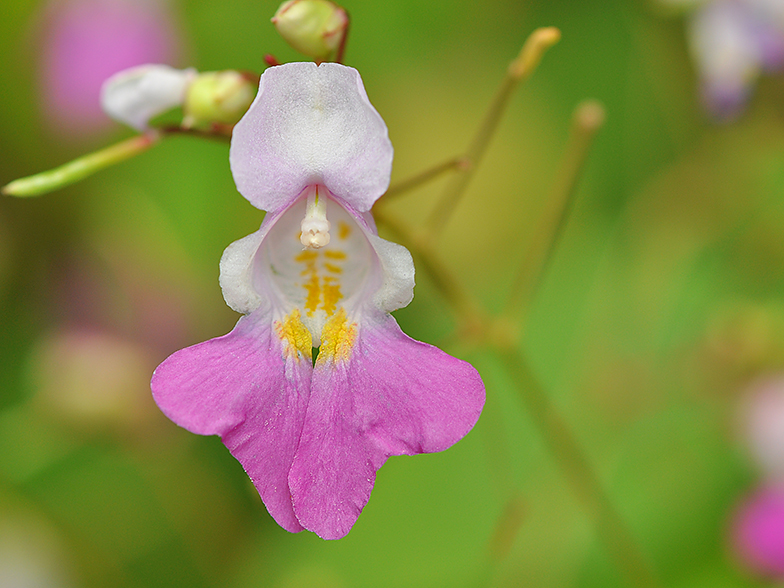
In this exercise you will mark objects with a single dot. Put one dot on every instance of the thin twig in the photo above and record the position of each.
(587, 120)
(519, 69)
(456, 163)
(612, 529)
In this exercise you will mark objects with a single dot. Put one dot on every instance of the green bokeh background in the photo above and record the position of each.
(663, 300)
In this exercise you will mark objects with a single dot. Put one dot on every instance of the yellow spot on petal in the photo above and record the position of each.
(332, 294)
(296, 338)
(312, 287)
(306, 256)
(330, 267)
(334, 254)
(337, 338)
(343, 230)
(313, 290)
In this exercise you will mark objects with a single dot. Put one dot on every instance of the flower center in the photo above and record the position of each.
(335, 270)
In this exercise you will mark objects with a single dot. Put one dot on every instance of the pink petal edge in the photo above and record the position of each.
(394, 396)
(240, 387)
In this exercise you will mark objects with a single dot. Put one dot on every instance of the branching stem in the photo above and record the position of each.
(520, 69)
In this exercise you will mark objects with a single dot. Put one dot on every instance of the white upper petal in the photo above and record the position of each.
(311, 125)
(134, 96)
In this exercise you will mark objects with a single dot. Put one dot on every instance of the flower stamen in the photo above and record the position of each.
(315, 226)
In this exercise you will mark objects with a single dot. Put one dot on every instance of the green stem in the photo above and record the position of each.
(466, 307)
(615, 535)
(565, 447)
(424, 177)
(85, 166)
(520, 69)
(80, 168)
(588, 119)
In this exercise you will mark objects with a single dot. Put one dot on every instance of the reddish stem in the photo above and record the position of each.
(271, 60)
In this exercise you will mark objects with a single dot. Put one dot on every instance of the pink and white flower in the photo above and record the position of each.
(314, 153)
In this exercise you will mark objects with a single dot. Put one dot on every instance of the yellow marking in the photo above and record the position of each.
(306, 256)
(337, 338)
(316, 288)
(343, 230)
(310, 268)
(296, 335)
(332, 295)
(313, 289)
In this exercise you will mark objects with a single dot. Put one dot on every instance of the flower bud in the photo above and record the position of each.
(315, 28)
(217, 97)
(134, 96)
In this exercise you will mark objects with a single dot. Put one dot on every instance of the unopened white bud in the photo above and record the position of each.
(136, 95)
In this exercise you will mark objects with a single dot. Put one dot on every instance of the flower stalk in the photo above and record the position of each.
(87, 165)
(633, 565)
(81, 167)
(519, 70)
(433, 173)
(587, 120)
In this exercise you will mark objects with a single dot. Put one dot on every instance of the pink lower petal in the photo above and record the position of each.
(394, 396)
(240, 387)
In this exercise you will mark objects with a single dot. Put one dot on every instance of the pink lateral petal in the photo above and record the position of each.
(240, 387)
(395, 396)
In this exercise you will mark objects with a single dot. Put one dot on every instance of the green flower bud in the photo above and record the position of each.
(315, 28)
(217, 97)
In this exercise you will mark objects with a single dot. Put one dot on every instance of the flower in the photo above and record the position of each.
(314, 153)
(757, 532)
(763, 425)
(136, 95)
(732, 43)
(83, 42)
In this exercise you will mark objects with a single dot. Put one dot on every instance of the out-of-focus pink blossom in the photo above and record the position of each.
(757, 532)
(732, 43)
(763, 425)
(93, 379)
(83, 42)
